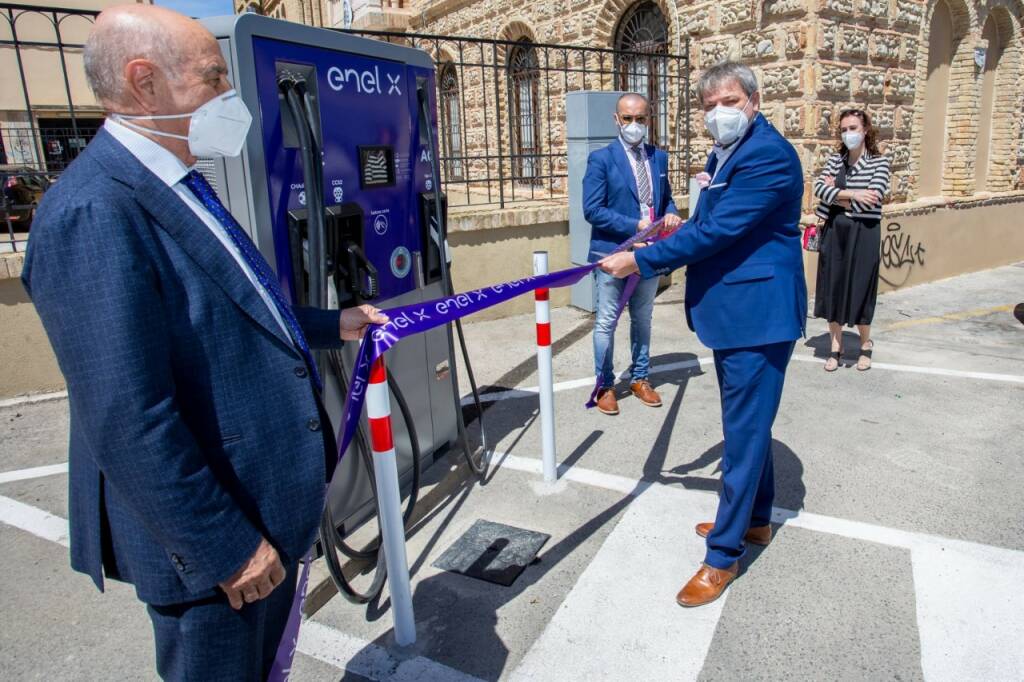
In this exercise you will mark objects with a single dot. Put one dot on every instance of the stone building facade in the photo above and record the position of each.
(943, 79)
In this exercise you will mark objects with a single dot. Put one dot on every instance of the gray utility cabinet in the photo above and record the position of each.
(589, 125)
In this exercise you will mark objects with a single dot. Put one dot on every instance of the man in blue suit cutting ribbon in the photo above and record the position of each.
(199, 445)
(745, 298)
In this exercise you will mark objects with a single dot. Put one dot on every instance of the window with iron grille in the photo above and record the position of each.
(451, 121)
(643, 35)
(524, 112)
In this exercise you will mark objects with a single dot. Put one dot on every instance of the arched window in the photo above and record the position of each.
(524, 112)
(451, 120)
(643, 31)
(933, 136)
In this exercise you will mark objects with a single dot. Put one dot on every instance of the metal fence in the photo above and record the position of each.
(501, 105)
(502, 110)
(46, 119)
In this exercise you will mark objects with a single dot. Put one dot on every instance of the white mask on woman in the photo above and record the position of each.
(218, 128)
(853, 139)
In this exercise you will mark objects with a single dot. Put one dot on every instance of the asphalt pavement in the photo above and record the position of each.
(899, 548)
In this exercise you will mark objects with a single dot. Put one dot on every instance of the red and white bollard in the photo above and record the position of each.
(385, 467)
(545, 383)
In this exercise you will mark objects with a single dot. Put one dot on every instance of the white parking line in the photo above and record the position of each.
(935, 371)
(373, 661)
(969, 605)
(582, 383)
(31, 399)
(34, 472)
(40, 523)
(619, 621)
(969, 608)
(530, 391)
(320, 641)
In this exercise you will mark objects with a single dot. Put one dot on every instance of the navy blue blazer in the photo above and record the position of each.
(610, 201)
(195, 428)
(744, 278)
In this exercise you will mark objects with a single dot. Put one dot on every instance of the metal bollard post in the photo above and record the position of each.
(545, 385)
(385, 466)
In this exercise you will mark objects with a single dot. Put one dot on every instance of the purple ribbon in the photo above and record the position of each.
(417, 318)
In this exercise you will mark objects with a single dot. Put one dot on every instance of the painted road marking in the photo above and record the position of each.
(320, 641)
(616, 624)
(531, 391)
(936, 371)
(969, 608)
(40, 523)
(366, 659)
(31, 399)
(582, 383)
(950, 317)
(34, 472)
(969, 605)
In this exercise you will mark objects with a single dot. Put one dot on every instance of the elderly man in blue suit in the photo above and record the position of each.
(625, 189)
(199, 446)
(745, 298)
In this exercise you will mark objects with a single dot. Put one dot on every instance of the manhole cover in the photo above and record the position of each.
(493, 552)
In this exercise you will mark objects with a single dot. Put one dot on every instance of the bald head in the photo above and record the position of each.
(631, 100)
(131, 33)
(632, 108)
(155, 67)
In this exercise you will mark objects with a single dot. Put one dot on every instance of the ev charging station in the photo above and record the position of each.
(337, 185)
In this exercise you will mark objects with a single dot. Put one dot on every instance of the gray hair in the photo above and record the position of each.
(117, 41)
(723, 72)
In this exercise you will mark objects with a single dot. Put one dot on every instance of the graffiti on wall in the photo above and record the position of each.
(901, 253)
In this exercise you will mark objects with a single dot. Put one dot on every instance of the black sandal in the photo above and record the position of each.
(836, 355)
(865, 353)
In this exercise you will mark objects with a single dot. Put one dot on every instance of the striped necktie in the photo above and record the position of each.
(643, 182)
(256, 262)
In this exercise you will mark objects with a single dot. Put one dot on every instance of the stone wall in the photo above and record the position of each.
(813, 58)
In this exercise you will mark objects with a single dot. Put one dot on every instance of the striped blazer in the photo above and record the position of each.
(870, 172)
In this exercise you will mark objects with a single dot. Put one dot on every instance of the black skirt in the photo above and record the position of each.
(848, 259)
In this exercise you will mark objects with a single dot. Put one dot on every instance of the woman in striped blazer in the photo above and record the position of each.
(850, 191)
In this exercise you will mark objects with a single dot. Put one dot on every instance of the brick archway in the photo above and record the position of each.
(607, 22)
(512, 31)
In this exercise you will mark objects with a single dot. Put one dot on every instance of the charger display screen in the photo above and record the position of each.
(376, 166)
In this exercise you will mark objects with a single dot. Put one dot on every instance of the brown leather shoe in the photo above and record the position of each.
(606, 402)
(707, 585)
(647, 395)
(757, 535)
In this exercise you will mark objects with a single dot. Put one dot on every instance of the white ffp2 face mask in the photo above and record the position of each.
(727, 124)
(852, 139)
(633, 133)
(218, 128)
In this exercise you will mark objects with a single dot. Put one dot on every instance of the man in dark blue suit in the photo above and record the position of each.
(746, 299)
(199, 447)
(625, 189)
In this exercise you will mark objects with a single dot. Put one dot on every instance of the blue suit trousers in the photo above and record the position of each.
(750, 383)
(210, 641)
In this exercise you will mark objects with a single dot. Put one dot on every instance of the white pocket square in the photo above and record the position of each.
(721, 184)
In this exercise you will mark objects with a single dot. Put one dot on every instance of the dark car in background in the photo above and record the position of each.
(23, 187)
